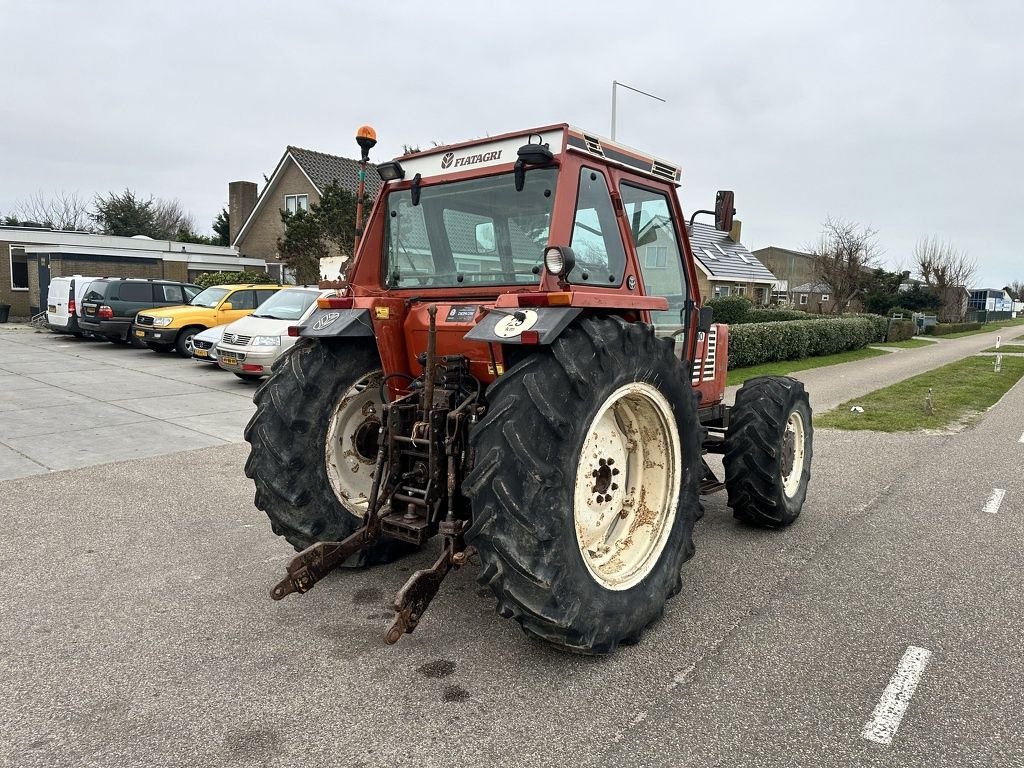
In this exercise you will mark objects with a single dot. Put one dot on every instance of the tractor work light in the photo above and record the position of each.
(559, 260)
(392, 171)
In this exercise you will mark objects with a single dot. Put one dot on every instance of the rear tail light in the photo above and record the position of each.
(71, 306)
(556, 299)
(529, 337)
(334, 302)
(104, 313)
(252, 368)
(294, 330)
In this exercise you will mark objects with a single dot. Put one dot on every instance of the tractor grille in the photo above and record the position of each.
(665, 171)
(594, 145)
(234, 338)
(144, 320)
(704, 369)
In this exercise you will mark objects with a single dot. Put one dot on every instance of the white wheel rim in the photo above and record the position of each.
(627, 486)
(793, 445)
(351, 433)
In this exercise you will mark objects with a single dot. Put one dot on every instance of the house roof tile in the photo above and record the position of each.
(322, 169)
(725, 259)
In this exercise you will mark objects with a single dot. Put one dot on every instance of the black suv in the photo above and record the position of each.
(109, 305)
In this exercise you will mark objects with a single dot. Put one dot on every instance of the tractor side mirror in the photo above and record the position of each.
(704, 319)
(485, 237)
(725, 209)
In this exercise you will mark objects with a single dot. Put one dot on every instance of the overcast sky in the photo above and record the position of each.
(904, 116)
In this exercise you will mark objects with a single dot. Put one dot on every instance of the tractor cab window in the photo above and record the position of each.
(600, 257)
(472, 232)
(659, 253)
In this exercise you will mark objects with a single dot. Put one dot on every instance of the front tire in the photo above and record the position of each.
(585, 487)
(183, 344)
(313, 445)
(768, 449)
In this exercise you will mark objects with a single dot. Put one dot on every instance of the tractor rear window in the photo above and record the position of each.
(473, 232)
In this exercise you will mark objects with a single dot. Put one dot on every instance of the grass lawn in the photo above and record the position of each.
(739, 375)
(908, 343)
(1006, 348)
(961, 392)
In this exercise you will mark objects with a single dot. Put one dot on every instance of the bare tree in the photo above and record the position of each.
(171, 219)
(1016, 289)
(844, 258)
(948, 271)
(63, 210)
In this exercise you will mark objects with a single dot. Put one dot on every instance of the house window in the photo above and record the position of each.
(710, 254)
(721, 290)
(19, 269)
(656, 256)
(803, 298)
(824, 297)
(741, 290)
(295, 203)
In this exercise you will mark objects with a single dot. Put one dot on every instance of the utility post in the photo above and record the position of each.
(615, 84)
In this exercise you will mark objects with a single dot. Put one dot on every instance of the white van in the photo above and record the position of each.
(64, 303)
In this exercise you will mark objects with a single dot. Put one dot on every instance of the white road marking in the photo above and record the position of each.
(1021, 438)
(992, 505)
(896, 697)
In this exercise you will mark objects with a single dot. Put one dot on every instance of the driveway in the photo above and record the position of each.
(67, 403)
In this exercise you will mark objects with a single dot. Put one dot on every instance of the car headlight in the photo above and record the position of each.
(266, 341)
(161, 322)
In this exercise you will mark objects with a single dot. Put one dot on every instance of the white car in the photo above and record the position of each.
(250, 346)
(204, 344)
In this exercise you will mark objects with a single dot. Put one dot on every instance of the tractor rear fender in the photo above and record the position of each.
(338, 323)
(506, 326)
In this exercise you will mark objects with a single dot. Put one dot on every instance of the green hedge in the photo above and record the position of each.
(729, 309)
(765, 315)
(901, 330)
(756, 343)
(941, 329)
(207, 279)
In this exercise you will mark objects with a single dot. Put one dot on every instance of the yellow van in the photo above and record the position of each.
(173, 327)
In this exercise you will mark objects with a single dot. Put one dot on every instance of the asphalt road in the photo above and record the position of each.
(136, 630)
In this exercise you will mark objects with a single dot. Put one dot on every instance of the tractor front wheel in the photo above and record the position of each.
(585, 487)
(313, 445)
(768, 449)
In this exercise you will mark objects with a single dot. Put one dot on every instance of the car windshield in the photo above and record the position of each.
(288, 304)
(209, 298)
(472, 232)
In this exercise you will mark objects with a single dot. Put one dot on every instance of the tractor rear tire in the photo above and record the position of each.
(768, 449)
(308, 473)
(578, 561)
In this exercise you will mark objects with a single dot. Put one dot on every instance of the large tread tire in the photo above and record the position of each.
(754, 456)
(288, 435)
(527, 449)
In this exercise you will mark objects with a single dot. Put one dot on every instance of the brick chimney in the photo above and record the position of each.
(241, 201)
(734, 233)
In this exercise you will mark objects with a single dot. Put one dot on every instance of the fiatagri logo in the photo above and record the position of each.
(449, 160)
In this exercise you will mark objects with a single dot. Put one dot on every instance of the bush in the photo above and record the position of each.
(730, 309)
(207, 279)
(907, 313)
(901, 330)
(756, 343)
(760, 315)
(941, 329)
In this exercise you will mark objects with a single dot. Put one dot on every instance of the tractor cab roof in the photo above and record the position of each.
(561, 138)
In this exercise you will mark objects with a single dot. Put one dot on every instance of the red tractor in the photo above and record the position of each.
(502, 368)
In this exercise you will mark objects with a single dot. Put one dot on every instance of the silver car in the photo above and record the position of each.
(204, 344)
(249, 347)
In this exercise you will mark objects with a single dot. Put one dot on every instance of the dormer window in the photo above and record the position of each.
(295, 203)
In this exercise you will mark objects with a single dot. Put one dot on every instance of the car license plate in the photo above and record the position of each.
(90, 310)
(200, 353)
(229, 359)
(140, 333)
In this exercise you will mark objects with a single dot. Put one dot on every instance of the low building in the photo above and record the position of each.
(813, 297)
(990, 300)
(297, 182)
(29, 257)
(726, 268)
(792, 268)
